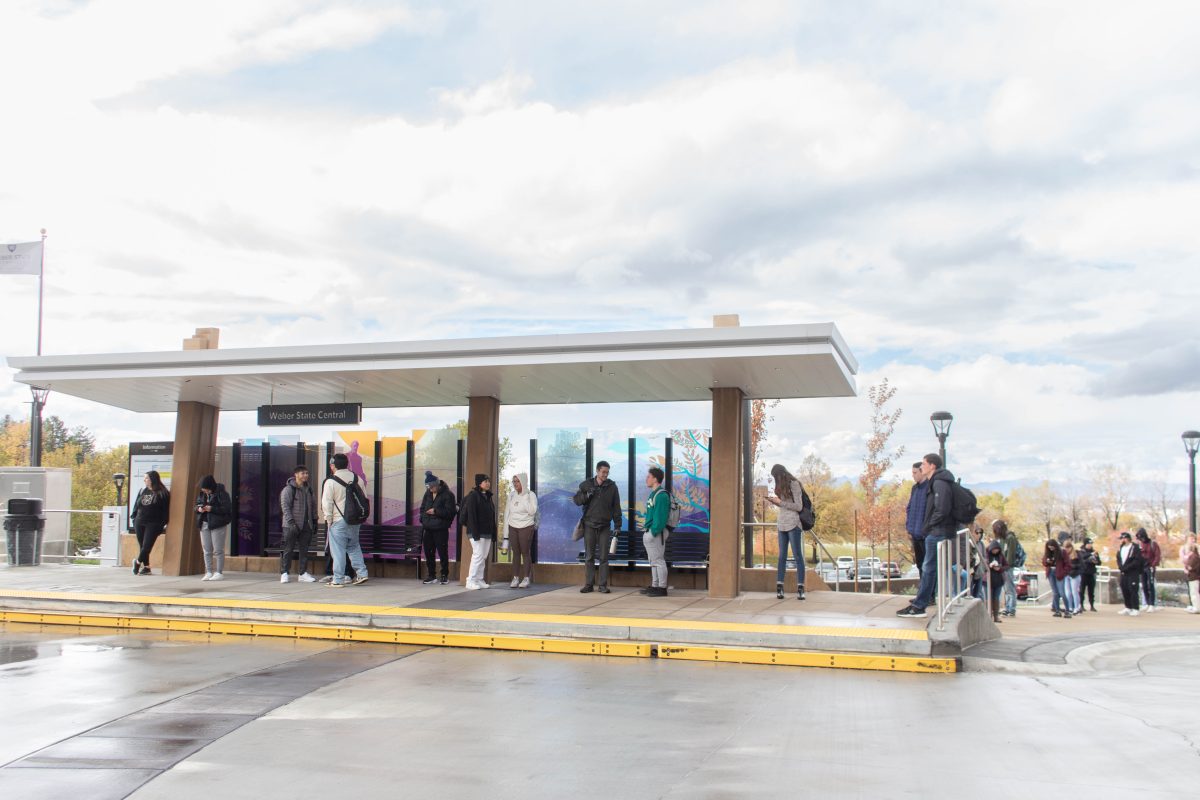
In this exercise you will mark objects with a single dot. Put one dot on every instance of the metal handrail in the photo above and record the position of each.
(948, 568)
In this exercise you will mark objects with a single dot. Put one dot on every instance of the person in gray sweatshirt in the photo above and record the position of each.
(299, 507)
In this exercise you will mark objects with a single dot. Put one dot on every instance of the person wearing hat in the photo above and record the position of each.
(437, 512)
(1131, 564)
(479, 518)
(1089, 560)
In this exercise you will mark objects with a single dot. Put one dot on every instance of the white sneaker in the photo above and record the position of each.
(1123, 611)
(306, 578)
(515, 583)
(483, 585)
(470, 587)
(283, 577)
(1151, 609)
(207, 576)
(1133, 612)
(524, 583)
(217, 577)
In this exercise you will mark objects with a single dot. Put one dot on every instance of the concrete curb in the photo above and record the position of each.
(1080, 661)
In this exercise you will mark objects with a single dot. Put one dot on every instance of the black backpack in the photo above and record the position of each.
(964, 508)
(358, 507)
(808, 517)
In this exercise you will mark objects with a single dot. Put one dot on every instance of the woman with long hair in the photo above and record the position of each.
(151, 513)
(789, 498)
(1072, 581)
(1051, 557)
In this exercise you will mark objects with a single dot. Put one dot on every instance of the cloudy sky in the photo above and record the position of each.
(997, 203)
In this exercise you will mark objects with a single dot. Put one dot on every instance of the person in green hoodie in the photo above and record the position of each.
(658, 507)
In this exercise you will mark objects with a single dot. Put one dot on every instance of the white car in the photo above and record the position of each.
(845, 562)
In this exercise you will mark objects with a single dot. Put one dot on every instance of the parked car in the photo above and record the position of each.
(1023, 579)
(845, 562)
(891, 570)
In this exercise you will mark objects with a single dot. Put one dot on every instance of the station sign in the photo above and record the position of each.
(318, 414)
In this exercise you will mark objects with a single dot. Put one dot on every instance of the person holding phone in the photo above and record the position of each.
(789, 498)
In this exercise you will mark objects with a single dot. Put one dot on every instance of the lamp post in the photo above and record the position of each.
(35, 425)
(1191, 442)
(119, 482)
(941, 426)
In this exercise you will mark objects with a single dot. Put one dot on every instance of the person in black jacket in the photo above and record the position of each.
(1131, 564)
(478, 516)
(214, 512)
(437, 512)
(939, 526)
(601, 501)
(151, 513)
(1089, 559)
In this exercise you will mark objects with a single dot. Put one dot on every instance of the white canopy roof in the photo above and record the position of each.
(776, 361)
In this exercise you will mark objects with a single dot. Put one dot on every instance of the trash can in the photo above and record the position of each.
(24, 526)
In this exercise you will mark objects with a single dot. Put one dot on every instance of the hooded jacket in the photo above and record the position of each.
(152, 508)
(914, 513)
(478, 514)
(939, 508)
(222, 508)
(299, 506)
(438, 510)
(601, 503)
(521, 508)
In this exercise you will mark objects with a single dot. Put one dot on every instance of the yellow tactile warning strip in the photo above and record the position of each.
(907, 634)
(487, 642)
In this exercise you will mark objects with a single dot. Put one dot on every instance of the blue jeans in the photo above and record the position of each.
(1071, 589)
(343, 541)
(1010, 591)
(1058, 591)
(928, 572)
(796, 537)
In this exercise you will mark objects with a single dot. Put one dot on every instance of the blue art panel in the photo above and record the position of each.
(651, 452)
(560, 460)
(690, 452)
(613, 447)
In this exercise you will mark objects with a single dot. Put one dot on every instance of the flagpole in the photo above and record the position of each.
(39, 395)
(41, 283)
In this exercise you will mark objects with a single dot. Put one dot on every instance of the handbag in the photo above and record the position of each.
(577, 534)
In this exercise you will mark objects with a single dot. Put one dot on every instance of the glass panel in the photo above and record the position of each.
(360, 450)
(560, 453)
(613, 447)
(283, 462)
(249, 497)
(689, 478)
(436, 451)
(395, 479)
(651, 452)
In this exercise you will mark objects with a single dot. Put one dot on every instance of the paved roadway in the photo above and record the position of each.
(180, 716)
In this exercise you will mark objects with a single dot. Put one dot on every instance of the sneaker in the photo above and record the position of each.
(585, 589)
(327, 579)
(306, 578)
(646, 589)
(444, 580)
(1151, 609)
(1058, 613)
(484, 585)
(1133, 612)
(361, 579)
(335, 585)
(283, 577)
(472, 587)
(603, 590)
(779, 591)
(524, 584)
(514, 583)
(1123, 611)
(429, 580)
(800, 593)
(659, 591)
(911, 611)
(217, 577)
(145, 571)
(207, 576)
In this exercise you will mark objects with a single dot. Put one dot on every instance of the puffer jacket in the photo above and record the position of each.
(939, 509)
(222, 508)
(438, 510)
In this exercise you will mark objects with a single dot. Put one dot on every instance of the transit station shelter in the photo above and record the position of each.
(727, 365)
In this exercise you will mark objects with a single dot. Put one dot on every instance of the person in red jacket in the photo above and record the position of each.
(1189, 556)
(1152, 555)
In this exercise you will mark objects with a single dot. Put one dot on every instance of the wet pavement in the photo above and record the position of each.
(179, 716)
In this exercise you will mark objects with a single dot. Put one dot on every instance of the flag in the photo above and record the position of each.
(23, 258)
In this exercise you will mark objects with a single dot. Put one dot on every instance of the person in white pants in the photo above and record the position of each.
(478, 516)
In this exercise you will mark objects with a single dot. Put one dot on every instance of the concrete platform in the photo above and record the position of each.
(687, 624)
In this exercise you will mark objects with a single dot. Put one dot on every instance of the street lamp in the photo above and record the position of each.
(941, 426)
(1191, 442)
(119, 482)
(35, 425)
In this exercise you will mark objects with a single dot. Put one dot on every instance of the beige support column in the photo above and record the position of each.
(194, 456)
(726, 492)
(483, 455)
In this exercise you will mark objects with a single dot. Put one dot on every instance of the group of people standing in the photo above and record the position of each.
(1071, 573)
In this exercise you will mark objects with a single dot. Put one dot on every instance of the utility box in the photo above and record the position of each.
(113, 523)
(53, 486)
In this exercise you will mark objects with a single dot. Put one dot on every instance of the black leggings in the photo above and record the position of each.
(436, 542)
(1087, 589)
(147, 534)
(1149, 587)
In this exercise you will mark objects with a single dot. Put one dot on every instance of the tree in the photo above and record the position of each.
(1160, 506)
(877, 506)
(501, 482)
(1112, 486)
(816, 477)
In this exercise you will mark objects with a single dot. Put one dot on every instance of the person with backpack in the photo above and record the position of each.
(298, 506)
(1152, 555)
(1089, 560)
(344, 504)
(520, 522)
(478, 516)
(151, 513)
(795, 508)
(214, 513)
(941, 523)
(655, 532)
(1014, 557)
(438, 510)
